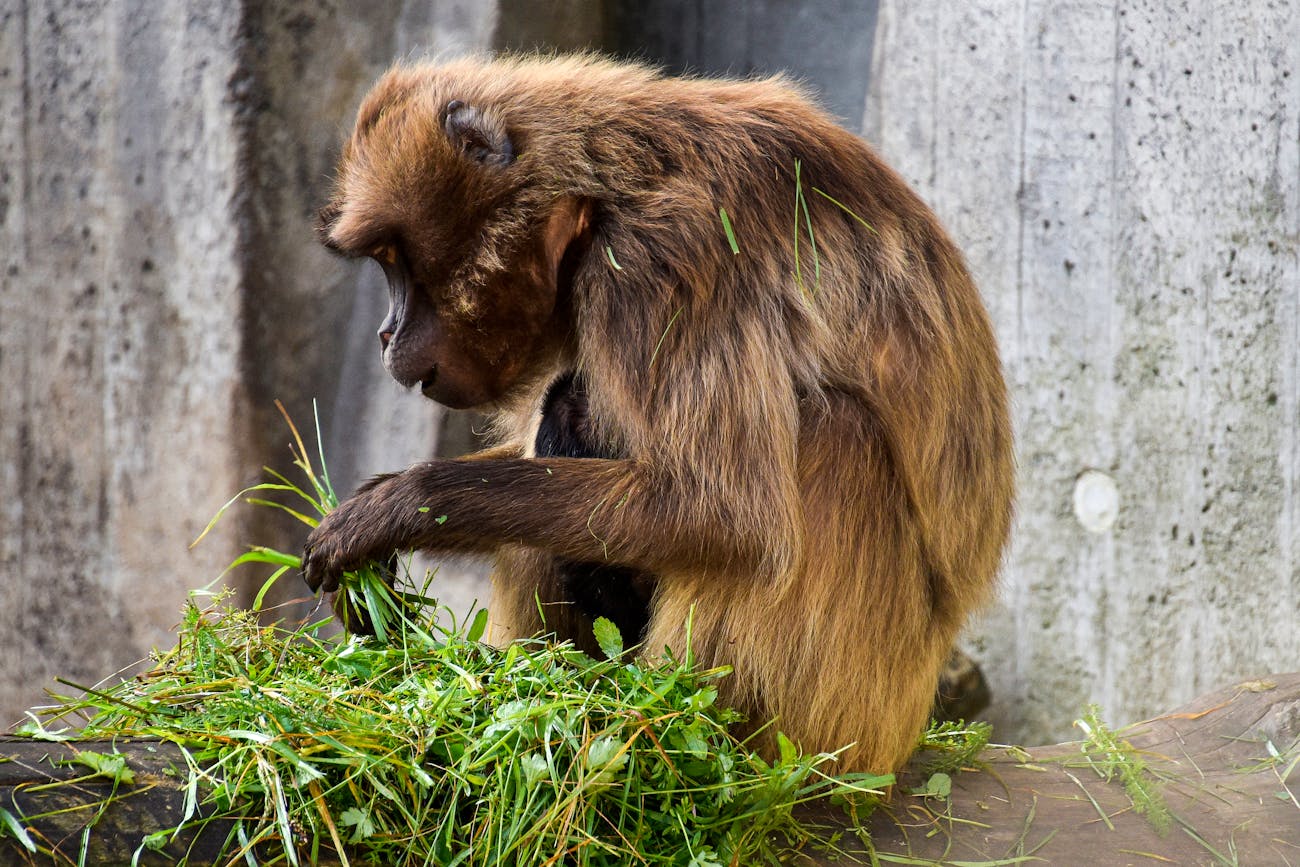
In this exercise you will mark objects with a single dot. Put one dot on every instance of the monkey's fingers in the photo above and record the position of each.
(319, 570)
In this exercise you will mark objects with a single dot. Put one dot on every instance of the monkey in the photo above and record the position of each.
(742, 383)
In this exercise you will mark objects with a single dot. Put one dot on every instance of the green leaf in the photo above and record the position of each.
(260, 554)
(706, 857)
(938, 786)
(10, 826)
(608, 756)
(359, 821)
(479, 626)
(157, 841)
(271, 504)
(534, 767)
(608, 637)
(113, 766)
(36, 731)
(702, 699)
(787, 749)
(265, 486)
(266, 585)
(696, 745)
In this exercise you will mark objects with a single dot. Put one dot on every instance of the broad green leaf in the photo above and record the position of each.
(608, 637)
(479, 626)
(10, 825)
(110, 765)
(359, 821)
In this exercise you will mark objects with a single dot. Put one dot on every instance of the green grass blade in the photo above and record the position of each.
(846, 209)
(731, 235)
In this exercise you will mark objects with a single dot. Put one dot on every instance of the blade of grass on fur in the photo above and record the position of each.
(667, 328)
(846, 209)
(812, 239)
(731, 235)
(801, 203)
(798, 195)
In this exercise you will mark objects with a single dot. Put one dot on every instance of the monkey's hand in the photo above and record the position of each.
(359, 530)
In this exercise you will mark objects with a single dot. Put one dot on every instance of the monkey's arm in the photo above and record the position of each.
(585, 509)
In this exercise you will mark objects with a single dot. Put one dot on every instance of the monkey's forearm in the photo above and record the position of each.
(584, 509)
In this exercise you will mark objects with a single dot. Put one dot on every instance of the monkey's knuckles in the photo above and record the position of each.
(331, 549)
(320, 569)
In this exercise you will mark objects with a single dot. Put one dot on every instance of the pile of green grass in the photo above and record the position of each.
(422, 745)
(450, 751)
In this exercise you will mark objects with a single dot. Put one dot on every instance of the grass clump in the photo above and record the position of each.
(451, 751)
(369, 600)
(1112, 757)
(421, 745)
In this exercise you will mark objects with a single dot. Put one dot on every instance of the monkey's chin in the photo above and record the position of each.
(428, 385)
(455, 395)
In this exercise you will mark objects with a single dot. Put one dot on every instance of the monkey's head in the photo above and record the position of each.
(443, 185)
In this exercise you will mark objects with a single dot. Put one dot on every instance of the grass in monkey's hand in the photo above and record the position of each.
(368, 600)
(421, 745)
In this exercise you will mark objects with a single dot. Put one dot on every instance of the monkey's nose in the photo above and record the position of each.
(384, 338)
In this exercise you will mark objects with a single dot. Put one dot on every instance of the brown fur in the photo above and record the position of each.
(818, 467)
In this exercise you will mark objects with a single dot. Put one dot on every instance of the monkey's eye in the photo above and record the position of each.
(385, 253)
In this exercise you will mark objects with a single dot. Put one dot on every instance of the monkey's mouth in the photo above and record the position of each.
(426, 384)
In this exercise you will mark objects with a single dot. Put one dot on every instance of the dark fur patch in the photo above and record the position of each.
(619, 593)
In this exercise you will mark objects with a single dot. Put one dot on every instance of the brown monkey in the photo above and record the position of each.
(808, 448)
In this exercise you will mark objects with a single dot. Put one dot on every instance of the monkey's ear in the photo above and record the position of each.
(480, 136)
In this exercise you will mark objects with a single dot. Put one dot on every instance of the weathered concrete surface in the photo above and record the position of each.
(121, 405)
(826, 43)
(159, 167)
(1125, 180)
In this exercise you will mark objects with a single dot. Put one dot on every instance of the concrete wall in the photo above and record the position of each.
(121, 404)
(1124, 178)
(159, 167)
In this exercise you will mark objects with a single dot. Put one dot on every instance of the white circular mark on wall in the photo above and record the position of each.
(1096, 501)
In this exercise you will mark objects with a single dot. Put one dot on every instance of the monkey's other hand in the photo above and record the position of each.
(356, 532)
